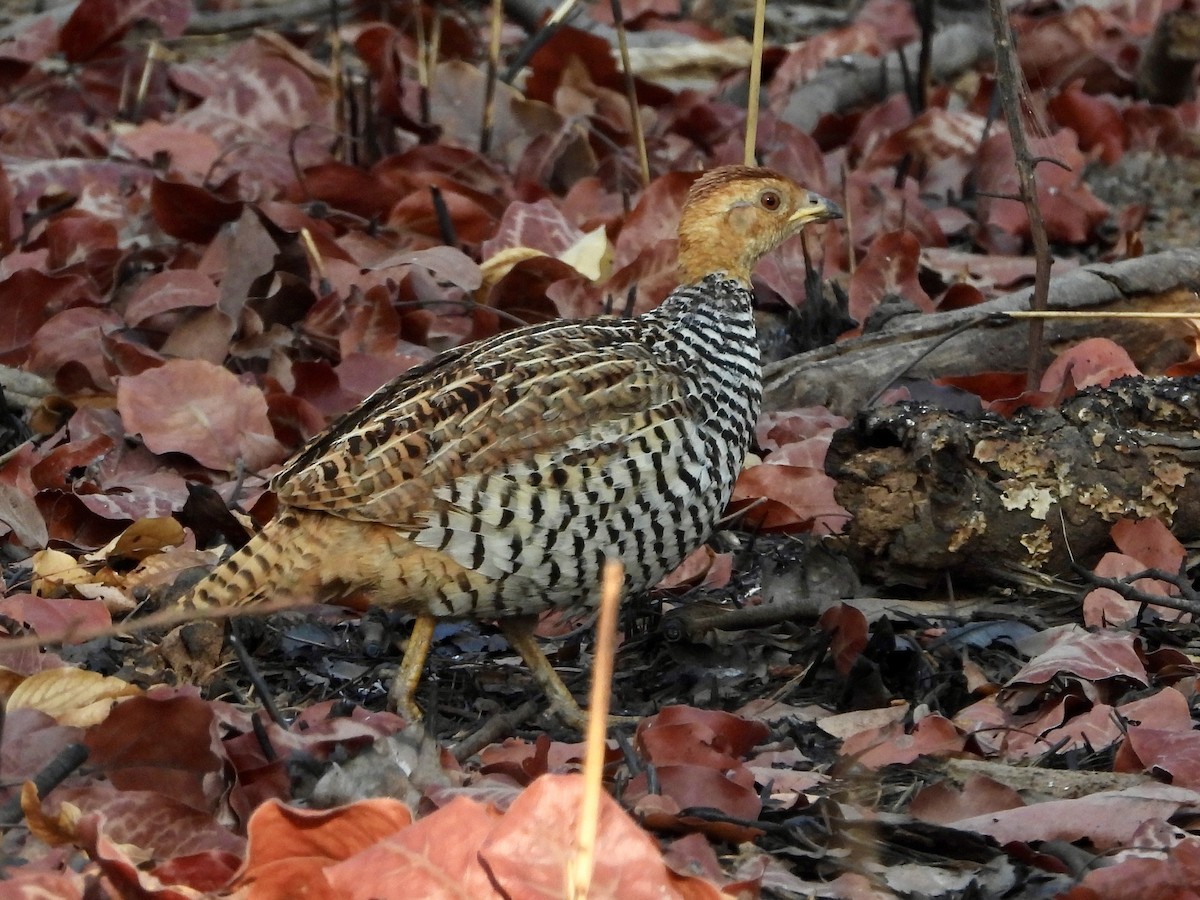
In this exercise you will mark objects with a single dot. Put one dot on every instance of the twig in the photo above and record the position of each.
(54, 773)
(341, 103)
(1007, 82)
(493, 74)
(167, 618)
(695, 623)
(444, 220)
(924, 13)
(318, 262)
(248, 666)
(1188, 600)
(639, 138)
(549, 28)
(498, 726)
(1093, 314)
(756, 52)
(579, 869)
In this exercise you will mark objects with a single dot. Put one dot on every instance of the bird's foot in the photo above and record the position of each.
(408, 674)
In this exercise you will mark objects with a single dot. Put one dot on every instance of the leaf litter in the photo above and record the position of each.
(204, 274)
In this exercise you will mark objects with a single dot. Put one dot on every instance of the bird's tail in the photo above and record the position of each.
(280, 561)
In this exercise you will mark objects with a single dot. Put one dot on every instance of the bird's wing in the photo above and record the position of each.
(479, 410)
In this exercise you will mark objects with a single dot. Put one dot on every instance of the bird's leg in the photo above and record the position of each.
(408, 675)
(518, 630)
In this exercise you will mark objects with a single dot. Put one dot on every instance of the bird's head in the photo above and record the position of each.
(735, 215)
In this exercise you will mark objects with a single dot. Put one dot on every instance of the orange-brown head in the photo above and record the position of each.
(735, 215)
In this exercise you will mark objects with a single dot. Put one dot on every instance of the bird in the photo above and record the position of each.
(494, 481)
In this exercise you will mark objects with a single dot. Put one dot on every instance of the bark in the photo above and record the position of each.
(1165, 71)
(931, 490)
(845, 375)
(860, 79)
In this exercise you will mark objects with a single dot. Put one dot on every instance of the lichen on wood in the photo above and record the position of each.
(932, 490)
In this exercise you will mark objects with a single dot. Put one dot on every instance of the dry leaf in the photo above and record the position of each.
(72, 696)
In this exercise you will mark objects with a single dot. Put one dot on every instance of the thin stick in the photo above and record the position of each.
(497, 727)
(166, 618)
(548, 29)
(434, 47)
(493, 73)
(1007, 82)
(639, 138)
(318, 262)
(848, 210)
(341, 103)
(154, 53)
(422, 66)
(1091, 314)
(579, 870)
(756, 53)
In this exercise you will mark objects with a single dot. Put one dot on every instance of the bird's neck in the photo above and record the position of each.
(717, 291)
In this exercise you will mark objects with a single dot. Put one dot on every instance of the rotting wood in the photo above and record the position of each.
(844, 375)
(931, 490)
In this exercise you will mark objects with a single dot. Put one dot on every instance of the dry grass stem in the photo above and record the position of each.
(493, 73)
(756, 53)
(635, 118)
(579, 872)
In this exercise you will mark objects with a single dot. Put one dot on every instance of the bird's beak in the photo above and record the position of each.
(815, 209)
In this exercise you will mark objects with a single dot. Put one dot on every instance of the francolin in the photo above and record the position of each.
(494, 481)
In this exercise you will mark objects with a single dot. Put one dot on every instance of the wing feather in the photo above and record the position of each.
(480, 410)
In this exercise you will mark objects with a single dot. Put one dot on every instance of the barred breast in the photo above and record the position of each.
(645, 487)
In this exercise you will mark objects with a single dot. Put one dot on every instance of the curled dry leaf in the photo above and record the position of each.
(72, 696)
(54, 570)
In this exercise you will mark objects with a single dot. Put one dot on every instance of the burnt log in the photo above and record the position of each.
(932, 490)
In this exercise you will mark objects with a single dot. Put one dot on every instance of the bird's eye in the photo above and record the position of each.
(770, 200)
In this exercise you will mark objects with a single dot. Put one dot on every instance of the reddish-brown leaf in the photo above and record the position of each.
(437, 856)
(96, 23)
(189, 153)
(1089, 656)
(889, 269)
(1175, 877)
(53, 619)
(1095, 361)
(1150, 542)
(1070, 209)
(1084, 43)
(730, 734)
(29, 299)
(164, 742)
(289, 848)
(848, 631)
(540, 226)
(876, 747)
(190, 212)
(194, 407)
(529, 854)
(788, 498)
(943, 804)
(168, 291)
(75, 337)
(1097, 121)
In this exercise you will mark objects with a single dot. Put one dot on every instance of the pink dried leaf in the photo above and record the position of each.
(203, 410)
